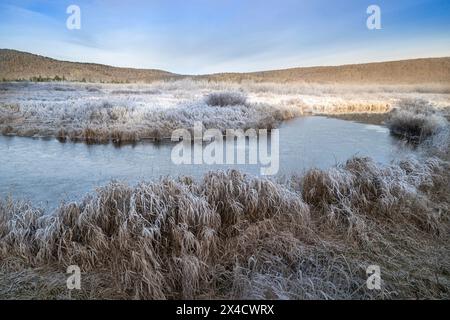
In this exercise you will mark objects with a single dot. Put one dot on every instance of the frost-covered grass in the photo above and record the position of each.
(419, 122)
(98, 113)
(225, 99)
(108, 113)
(235, 236)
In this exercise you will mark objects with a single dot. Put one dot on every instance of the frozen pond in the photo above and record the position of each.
(47, 171)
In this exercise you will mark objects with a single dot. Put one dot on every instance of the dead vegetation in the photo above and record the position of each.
(128, 113)
(235, 236)
(223, 99)
(417, 121)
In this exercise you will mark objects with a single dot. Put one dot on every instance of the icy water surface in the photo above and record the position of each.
(47, 171)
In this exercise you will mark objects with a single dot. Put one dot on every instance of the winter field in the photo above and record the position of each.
(98, 113)
(232, 235)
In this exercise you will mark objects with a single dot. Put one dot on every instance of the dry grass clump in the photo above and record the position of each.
(153, 111)
(157, 240)
(153, 241)
(350, 195)
(415, 127)
(417, 121)
(223, 99)
(350, 107)
(125, 136)
(235, 236)
(251, 200)
(94, 135)
(6, 130)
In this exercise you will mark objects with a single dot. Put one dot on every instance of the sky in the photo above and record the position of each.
(209, 36)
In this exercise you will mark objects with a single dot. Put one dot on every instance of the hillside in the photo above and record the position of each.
(16, 65)
(428, 70)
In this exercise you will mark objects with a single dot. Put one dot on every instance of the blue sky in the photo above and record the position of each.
(206, 36)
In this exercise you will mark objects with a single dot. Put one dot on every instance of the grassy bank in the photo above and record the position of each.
(101, 113)
(230, 235)
(236, 236)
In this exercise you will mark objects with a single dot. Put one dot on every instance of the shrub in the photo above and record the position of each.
(223, 99)
(415, 127)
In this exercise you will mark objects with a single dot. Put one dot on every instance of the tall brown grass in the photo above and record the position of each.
(235, 236)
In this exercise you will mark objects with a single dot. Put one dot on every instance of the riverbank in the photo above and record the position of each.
(102, 113)
(236, 236)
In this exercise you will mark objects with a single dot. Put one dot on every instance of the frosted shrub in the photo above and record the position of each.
(417, 121)
(223, 99)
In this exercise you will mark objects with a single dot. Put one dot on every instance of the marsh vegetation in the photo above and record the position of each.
(236, 236)
(101, 113)
(230, 234)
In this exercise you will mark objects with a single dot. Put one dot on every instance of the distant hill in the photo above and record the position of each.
(428, 70)
(17, 65)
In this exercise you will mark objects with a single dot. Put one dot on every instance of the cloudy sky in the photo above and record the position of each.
(206, 36)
